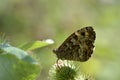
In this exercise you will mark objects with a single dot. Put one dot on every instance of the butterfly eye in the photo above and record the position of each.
(83, 33)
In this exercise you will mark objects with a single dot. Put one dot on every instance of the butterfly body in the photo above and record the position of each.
(78, 46)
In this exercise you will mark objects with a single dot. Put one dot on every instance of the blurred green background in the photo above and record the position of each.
(30, 20)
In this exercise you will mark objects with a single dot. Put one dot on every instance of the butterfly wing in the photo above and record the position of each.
(78, 46)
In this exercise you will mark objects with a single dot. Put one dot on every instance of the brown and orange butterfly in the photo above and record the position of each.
(78, 46)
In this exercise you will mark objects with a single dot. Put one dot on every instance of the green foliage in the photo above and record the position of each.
(17, 52)
(17, 64)
(36, 44)
(12, 68)
(27, 20)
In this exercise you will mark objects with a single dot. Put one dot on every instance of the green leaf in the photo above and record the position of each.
(17, 52)
(12, 68)
(16, 64)
(36, 44)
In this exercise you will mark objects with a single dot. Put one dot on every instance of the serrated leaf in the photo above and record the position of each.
(36, 44)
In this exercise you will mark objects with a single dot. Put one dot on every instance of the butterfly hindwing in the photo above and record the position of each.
(78, 46)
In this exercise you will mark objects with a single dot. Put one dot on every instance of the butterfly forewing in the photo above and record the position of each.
(78, 46)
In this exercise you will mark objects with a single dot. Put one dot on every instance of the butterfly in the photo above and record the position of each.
(78, 46)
